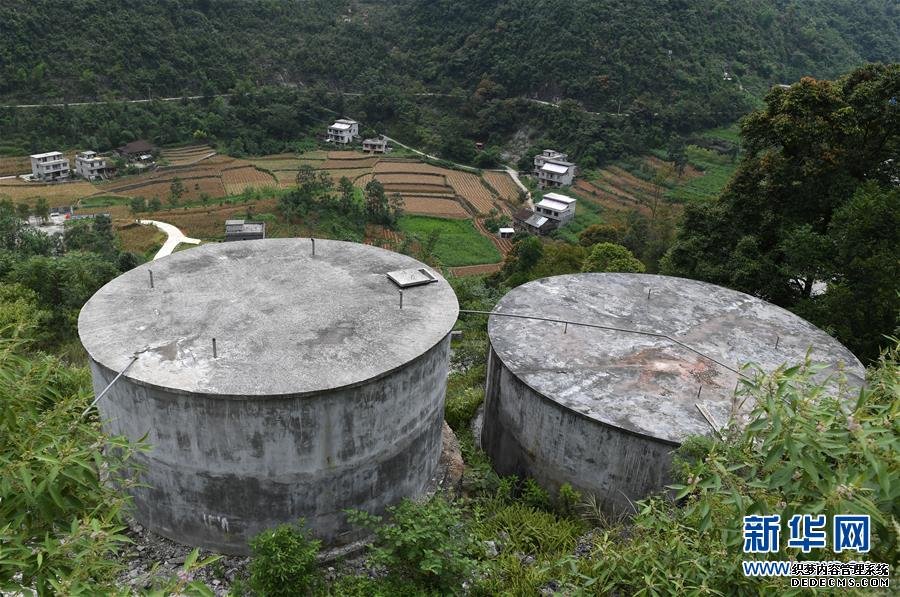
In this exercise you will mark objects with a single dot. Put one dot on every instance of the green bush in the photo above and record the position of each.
(534, 495)
(461, 406)
(429, 543)
(567, 500)
(284, 561)
(60, 518)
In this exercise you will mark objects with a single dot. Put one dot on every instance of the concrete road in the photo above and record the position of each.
(176, 237)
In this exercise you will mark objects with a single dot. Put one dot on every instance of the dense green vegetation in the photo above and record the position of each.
(451, 242)
(814, 200)
(646, 70)
(653, 53)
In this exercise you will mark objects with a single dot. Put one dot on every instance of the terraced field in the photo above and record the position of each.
(470, 187)
(432, 206)
(237, 180)
(505, 186)
(13, 166)
(180, 156)
(397, 166)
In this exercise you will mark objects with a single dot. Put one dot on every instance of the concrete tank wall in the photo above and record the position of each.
(222, 469)
(528, 435)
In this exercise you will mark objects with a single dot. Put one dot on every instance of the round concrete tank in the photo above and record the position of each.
(273, 384)
(602, 409)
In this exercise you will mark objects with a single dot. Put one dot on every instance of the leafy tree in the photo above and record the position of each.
(42, 209)
(599, 233)
(23, 210)
(154, 204)
(607, 257)
(137, 205)
(805, 155)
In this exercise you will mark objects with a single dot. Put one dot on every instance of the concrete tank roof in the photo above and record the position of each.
(285, 322)
(643, 383)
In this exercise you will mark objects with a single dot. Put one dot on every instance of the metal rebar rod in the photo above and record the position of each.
(610, 328)
(401, 299)
(151, 277)
(313, 246)
(111, 384)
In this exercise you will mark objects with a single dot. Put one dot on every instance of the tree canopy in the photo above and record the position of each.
(806, 222)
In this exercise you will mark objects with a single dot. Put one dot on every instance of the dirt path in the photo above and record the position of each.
(175, 237)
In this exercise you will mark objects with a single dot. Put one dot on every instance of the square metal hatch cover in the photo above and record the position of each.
(404, 278)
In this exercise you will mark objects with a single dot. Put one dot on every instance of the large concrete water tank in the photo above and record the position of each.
(322, 394)
(603, 408)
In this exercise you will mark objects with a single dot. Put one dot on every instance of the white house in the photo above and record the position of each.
(378, 145)
(50, 166)
(506, 232)
(89, 165)
(556, 207)
(343, 131)
(553, 169)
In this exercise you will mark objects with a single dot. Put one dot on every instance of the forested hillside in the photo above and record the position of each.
(667, 57)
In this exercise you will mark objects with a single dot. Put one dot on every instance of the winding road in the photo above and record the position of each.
(175, 237)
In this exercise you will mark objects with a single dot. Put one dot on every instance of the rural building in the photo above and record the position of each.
(137, 151)
(557, 207)
(244, 230)
(375, 145)
(553, 169)
(343, 131)
(89, 165)
(506, 232)
(533, 223)
(49, 167)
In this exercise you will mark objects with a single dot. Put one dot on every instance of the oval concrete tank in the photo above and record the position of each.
(322, 394)
(603, 409)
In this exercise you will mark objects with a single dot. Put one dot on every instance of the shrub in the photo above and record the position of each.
(534, 495)
(59, 516)
(284, 560)
(461, 406)
(567, 500)
(428, 542)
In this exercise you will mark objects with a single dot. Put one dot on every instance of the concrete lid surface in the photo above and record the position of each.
(285, 322)
(643, 383)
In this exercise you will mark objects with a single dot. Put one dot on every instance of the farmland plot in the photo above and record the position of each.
(505, 186)
(410, 178)
(237, 180)
(469, 186)
(56, 194)
(432, 206)
(386, 166)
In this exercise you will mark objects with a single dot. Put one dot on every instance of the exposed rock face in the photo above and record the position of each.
(451, 463)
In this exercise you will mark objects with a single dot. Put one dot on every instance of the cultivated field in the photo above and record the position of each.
(505, 186)
(12, 166)
(238, 180)
(66, 193)
(143, 240)
(459, 242)
(472, 189)
(431, 206)
(179, 156)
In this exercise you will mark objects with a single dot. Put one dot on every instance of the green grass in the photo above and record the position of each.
(101, 201)
(717, 171)
(587, 213)
(459, 243)
(731, 134)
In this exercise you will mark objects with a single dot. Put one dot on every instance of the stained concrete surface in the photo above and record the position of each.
(324, 396)
(285, 322)
(645, 384)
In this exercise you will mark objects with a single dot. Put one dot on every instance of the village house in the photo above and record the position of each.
(378, 145)
(550, 213)
(343, 131)
(137, 151)
(557, 207)
(553, 169)
(50, 167)
(244, 230)
(89, 165)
